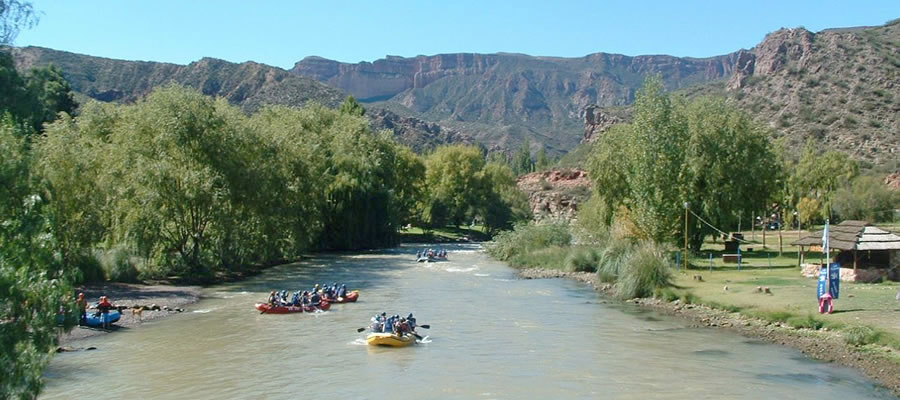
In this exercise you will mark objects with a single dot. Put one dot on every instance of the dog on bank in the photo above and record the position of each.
(137, 312)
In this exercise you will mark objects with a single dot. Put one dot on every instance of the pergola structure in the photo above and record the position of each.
(856, 237)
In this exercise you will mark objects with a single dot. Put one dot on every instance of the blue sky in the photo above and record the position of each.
(282, 32)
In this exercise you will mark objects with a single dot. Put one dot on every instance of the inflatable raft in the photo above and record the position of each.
(389, 339)
(349, 298)
(91, 319)
(267, 309)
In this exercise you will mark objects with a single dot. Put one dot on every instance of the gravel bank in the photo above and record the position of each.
(130, 295)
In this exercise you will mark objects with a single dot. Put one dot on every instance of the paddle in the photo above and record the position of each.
(358, 330)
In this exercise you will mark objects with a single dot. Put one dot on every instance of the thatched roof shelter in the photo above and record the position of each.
(853, 236)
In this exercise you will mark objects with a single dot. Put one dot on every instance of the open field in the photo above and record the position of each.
(793, 297)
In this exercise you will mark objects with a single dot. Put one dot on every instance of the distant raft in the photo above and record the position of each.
(389, 339)
(93, 320)
(349, 298)
(267, 309)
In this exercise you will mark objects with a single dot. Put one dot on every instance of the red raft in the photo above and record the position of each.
(267, 309)
(349, 298)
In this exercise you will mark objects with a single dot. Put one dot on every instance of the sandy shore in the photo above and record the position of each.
(130, 295)
(824, 345)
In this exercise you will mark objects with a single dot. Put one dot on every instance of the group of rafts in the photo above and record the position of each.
(391, 331)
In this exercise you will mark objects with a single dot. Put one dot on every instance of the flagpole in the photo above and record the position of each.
(825, 245)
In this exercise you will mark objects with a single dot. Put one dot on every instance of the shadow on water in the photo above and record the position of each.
(800, 378)
(712, 353)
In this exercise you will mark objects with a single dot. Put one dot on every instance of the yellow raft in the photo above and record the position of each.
(389, 339)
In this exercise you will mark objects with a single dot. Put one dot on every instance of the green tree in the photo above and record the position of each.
(501, 203)
(452, 175)
(521, 162)
(808, 210)
(33, 286)
(866, 198)
(52, 94)
(818, 175)
(352, 107)
(658, 135)
(543, 162)
(725, 144)
(674, 153)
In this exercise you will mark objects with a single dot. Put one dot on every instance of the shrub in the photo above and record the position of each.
(860, 335)
(645, 270)
(808, 322)
(666, 294)
(689, 298)
(611, 258)
(118, 265)
(528, 237)
(546, 258)
(89, 268)
(582, 259)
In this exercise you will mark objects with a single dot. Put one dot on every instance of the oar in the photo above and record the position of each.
(358, 330)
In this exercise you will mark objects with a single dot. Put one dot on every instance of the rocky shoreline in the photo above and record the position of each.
(156, 301)
(825, 345)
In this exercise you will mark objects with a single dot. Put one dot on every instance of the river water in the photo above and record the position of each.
(491, 336)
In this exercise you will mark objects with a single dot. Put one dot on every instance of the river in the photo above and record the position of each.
(491, 336)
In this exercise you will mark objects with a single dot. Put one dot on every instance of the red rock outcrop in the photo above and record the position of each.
(555, 194)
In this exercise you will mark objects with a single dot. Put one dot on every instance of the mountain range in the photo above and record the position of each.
(838, 87)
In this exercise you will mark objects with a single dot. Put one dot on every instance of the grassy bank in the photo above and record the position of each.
(867, 314)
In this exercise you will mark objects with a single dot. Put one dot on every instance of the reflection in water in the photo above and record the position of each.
(491, 336)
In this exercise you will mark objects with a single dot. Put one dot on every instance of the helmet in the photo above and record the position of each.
(80, 295)
(409, 316)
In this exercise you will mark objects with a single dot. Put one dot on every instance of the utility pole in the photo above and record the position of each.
(686, 205)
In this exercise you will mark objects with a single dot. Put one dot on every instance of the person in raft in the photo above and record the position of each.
(314, 299)
(81, 305)
(272, 298)
(103, 308)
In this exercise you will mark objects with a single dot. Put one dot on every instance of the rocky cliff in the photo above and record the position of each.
(837, 87)
(249, 84)
(500, 99)
(556, 194)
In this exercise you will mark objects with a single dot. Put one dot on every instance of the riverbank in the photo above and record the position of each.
(881, 365)
(167, 299)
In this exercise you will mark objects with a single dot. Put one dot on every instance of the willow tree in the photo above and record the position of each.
(453, 180)
(705, 153)
(33, 285)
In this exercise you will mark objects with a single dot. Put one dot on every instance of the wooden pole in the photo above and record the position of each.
(686, 205)
(764, 237)
(752, 227)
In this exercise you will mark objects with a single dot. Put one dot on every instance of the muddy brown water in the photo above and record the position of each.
(491, 336)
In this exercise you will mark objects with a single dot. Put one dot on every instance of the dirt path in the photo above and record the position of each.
(130, 295)
(825, 345)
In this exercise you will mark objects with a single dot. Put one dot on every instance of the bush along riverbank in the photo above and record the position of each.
(640, 273)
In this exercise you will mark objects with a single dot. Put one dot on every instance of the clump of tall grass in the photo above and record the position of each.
(643, 271)
(860, 335)
(118, 264)
(582, 259)
(612, 258)
(528, 237)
